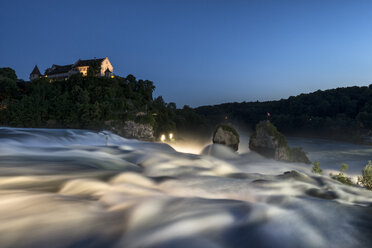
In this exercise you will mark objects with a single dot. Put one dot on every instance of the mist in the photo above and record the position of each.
(66, 188)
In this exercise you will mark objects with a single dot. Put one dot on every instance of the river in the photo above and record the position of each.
(79, 188)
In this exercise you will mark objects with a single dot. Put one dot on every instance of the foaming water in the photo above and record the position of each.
(67, 188)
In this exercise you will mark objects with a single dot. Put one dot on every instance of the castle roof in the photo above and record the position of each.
(62, 69)
(58, 69)
(87, 62)
(35, 71)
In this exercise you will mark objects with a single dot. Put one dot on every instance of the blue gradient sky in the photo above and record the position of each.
(199, 52)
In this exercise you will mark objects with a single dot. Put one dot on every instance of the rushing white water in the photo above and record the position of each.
(66, 188)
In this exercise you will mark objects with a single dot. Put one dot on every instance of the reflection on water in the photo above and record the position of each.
(66, 188)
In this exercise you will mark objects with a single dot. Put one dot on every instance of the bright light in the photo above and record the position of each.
(171, 136)
(162, 138)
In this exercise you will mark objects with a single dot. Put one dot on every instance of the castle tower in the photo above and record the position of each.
(35, 74)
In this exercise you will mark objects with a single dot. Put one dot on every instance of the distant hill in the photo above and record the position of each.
(342, 113)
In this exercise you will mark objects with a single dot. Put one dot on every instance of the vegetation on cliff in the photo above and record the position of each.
(316, 168)
(366, 179)
(341, 176)
(271, 130)
(87, 102)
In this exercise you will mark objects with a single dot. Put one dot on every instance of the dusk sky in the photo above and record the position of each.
(198, 52)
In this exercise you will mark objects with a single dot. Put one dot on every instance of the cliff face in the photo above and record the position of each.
(226, 135)
(131, 130)
(269, 142)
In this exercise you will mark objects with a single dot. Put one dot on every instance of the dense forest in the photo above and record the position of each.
(342, 113)
(87, 102)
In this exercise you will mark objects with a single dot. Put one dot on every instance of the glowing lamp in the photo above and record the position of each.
(171, 136)
(162, 138)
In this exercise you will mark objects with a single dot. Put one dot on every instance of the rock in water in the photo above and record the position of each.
(226, 135)
(269, 142)
(219, 151)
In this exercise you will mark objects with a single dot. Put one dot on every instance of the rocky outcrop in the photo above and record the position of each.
(131, 130)
(226, 135)
(219, 151)
(269, 142)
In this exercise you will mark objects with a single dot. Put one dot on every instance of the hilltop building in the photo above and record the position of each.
(35, 74)
(61, 72)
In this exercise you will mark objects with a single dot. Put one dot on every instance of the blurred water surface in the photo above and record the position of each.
(67, 188)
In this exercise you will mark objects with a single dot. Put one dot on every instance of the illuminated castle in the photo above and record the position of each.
(61, 72)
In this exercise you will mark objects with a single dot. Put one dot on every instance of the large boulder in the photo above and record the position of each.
(269, 142)
(226, 135)
(131, 130)
(219, 151)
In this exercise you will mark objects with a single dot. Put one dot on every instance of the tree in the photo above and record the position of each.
(8, 73)
(94, 68)
(316, 168)
(366, 179)
(365, 119)
(8, 88)
(131, 78)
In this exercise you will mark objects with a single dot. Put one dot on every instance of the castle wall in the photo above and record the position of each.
(106, 64)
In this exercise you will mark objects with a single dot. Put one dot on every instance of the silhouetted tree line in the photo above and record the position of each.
(342, 113)
(87, 102)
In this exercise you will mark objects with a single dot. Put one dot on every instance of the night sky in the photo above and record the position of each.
(198, 52)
